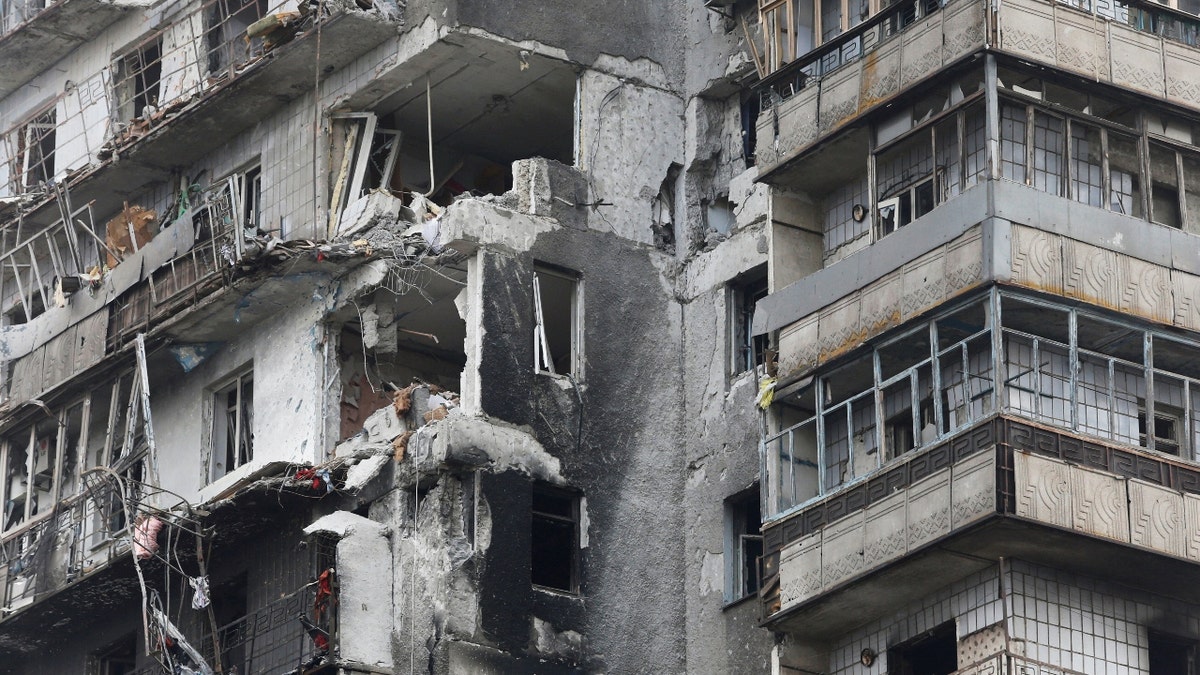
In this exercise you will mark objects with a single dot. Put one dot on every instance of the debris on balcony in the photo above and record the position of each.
(279, 28)
(128, 232)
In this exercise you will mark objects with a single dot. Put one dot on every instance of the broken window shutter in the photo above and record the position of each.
(541, 349)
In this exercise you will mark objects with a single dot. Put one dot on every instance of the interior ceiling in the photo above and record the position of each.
(493, 100)
(428, 307)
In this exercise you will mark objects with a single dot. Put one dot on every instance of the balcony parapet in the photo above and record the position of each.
(1136, 45)
(970, 497)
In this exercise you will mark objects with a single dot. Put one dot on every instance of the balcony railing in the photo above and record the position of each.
(144, 87)
(31, 261)
(17, 12)
(846, 48)
(82, 535)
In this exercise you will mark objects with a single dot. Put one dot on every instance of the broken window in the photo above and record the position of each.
(1125, 194)
(233, 425)
(557, 308)
(554, 539)
(904, 176)
(845, 214)
(34, 143)
(743, 545)
(746, 349)
(789, 29)
(34, 466)
(1171, 654)
(932, 653)
(363, 158)
(250, 182)
(137, 81)
(1164, 186)
(792, 454)
(227, 21)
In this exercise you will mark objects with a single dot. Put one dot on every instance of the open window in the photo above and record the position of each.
(746, 349)
(557, 310)
(137, 81)
(554, 539)
(743, 545)
(233, 425)
(932, 653)
(34, 143)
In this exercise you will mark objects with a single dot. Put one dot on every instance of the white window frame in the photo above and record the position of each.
(543, 362)
(219, 431)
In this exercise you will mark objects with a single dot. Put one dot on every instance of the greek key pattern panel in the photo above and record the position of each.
(878, 495)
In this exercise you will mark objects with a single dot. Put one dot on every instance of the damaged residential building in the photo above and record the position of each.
(515, 336)
(364, 336)
(982, 432)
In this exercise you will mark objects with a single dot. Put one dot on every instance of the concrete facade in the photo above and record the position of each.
(280, 396)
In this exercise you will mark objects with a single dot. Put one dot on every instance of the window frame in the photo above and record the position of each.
(737, 572)
(746, 350)
(218, 429)
(131, 68)
(543, 360)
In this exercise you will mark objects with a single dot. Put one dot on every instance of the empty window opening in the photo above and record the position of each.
(747, 349)
(1171, 655)
(35, 144)
(743, 545)
(233, 425)
(554, 536)
(138, 82)
(1164, 186)
(933, 653)
(118, 658)
(556, 339)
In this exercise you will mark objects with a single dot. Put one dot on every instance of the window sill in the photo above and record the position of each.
(732, 604)
(558, 593)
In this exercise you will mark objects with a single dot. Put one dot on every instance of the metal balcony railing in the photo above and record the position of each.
(16, 12)
(81, 535)
(143, 87)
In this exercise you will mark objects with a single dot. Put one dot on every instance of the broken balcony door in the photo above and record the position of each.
(363, 159)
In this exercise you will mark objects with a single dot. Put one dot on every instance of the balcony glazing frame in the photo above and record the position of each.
(807, 443)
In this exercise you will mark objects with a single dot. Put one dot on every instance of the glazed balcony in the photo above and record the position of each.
(868, 66)
(1005, 488)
